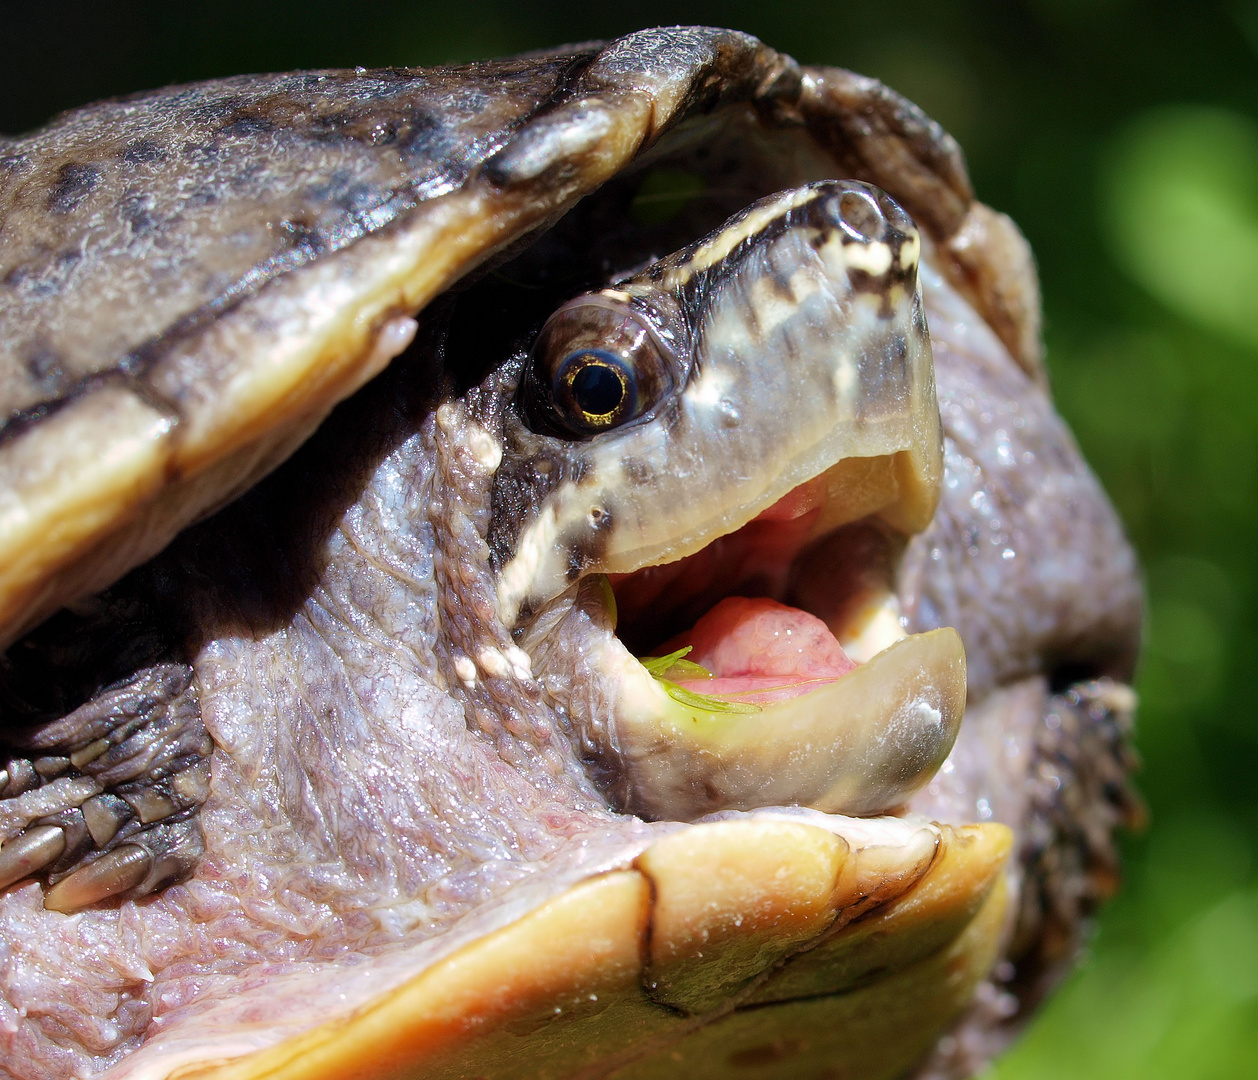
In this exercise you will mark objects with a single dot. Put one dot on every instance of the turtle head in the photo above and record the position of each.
(668, 410)
(713, 420)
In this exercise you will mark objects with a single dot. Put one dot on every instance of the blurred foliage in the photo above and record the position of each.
(1195, 169)
(1123, 137)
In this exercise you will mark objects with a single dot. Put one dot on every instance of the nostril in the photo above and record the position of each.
(895, 215)
(860, 217)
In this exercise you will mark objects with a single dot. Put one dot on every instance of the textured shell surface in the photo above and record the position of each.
(563, 566)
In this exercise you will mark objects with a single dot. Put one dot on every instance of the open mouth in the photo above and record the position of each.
(771, 600)
(770, 667)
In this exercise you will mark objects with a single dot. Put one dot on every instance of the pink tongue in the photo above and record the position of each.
(761, 650)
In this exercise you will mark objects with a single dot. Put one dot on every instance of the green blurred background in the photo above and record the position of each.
(1123, 137)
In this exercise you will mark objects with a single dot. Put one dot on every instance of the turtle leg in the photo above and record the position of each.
(1071, 857)
(1069, 792)
(102, 802)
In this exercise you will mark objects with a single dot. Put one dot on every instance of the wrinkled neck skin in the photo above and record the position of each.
(366, 789)
(387, 766)
(354, 740)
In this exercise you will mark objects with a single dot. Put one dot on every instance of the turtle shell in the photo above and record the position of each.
(195, 277)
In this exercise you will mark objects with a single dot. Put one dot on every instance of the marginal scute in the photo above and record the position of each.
(62, 484)
(557, 139)
(732, 899)
(911, 927)
(883, 138)
(875, 1032)
(567, 977)
(990, 262)
(246, 392)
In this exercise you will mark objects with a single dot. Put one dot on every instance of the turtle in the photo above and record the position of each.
(563, 566)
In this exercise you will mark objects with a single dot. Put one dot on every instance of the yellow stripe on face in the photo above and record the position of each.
(910, 252)
(874, 259)
(716, 249)
(771, 306)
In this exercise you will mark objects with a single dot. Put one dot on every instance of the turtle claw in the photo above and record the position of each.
(118, 872)
(104, 801)
(30, 852)
(134, 867)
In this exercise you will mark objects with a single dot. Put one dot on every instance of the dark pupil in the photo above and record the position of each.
(597, 389)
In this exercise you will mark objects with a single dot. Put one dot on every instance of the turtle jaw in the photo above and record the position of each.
(860, 743)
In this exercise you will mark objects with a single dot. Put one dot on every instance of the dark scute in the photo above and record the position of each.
(137, 210)
(302, 236)
(14, 164)
(75, 182)
(45, 369)
(247, 125)
(143, 151)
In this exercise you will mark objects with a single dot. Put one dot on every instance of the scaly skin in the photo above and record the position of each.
(370, 808)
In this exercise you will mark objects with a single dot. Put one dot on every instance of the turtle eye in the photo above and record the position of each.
(596, 386)
(596, 364)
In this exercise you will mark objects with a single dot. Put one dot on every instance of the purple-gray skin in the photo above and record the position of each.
(311, 661)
